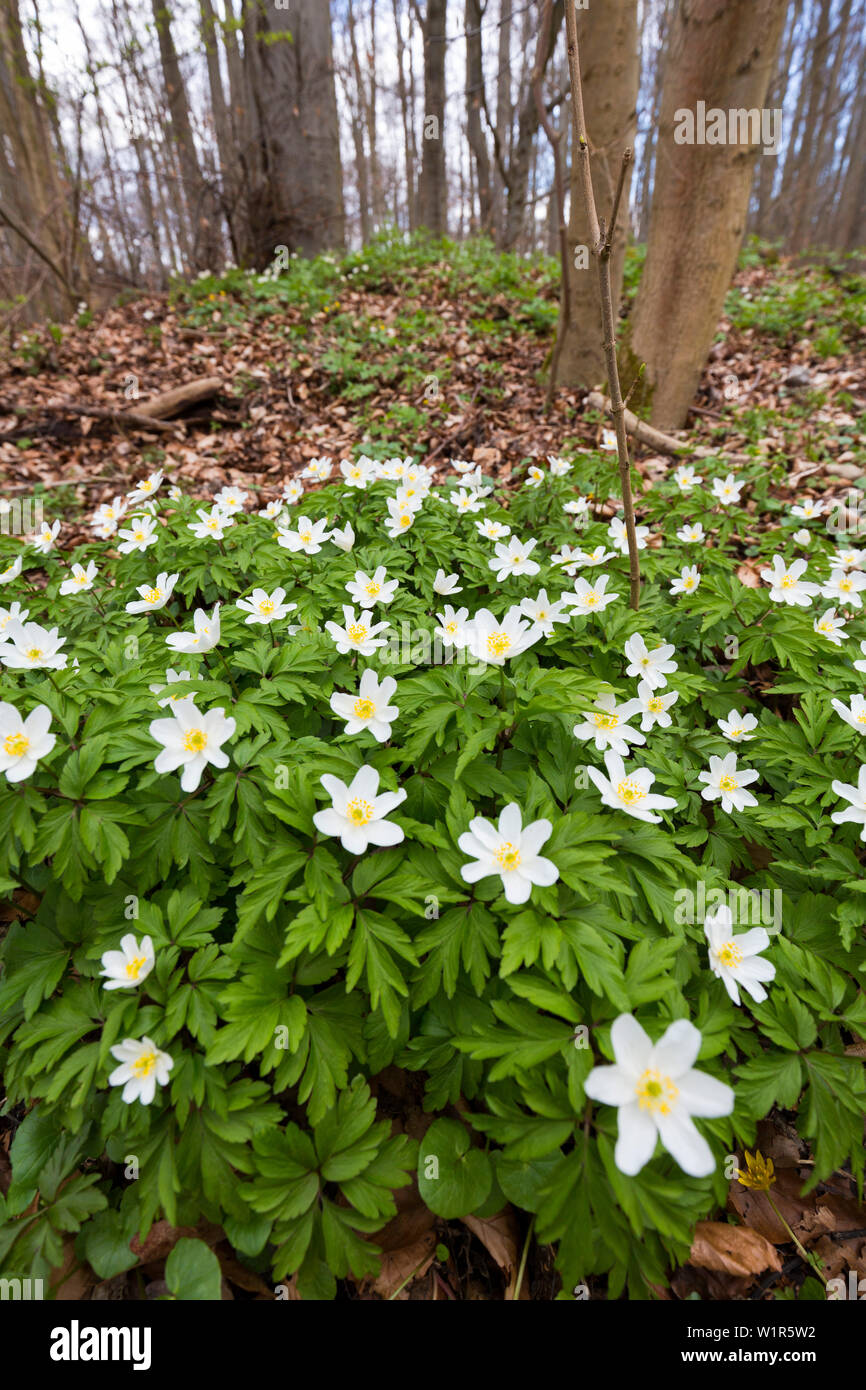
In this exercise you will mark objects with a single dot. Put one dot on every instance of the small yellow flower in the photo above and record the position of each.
(759, 1172)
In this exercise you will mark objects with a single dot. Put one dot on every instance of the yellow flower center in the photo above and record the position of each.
(373, 589)
(450, 628)
(507, 856)
(194, 740)
(34, 654)
(405, 521)
(135, 966)
(81, 579)
(688, 583)
(144, 1064)
(498, 643)
(153, 595)
(787, 581)
(606, 721)
(730, 954)
(591, 599)
(861, 717)
(655, 1092)
(357, 632)
(728, 783)
(364, 709)
(267, 605)
(16, 745)
(360, 812)
(630, 791)
(845, 585)
(656, 705)
(306, 536)
(826, 626)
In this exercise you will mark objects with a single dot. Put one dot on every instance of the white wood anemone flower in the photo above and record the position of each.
(11, 571)
(128, 967)
(657, 1091)
(211, 525)
(544, 611)
(845, 586)
(80, 579)
(654, 666)
(14, 614)
(262, 607)
(787, 584)
(727, 781)
(509, 850)
(29, 647)
(191, 740)
(512, 557)
(445, 584)
(357, 814)
(205, 634)
(736, 959)
(146, 488)
(495, 640)
(688, 581)
(343, 538)
(24, 741)
(154, 596)
(685, 478)
(309, 536)
(370, 589)
(738, 727)
(629, 791)
(856, 812)
(369, 709)
(861, 665)
(619, 535)
(589, 598)
(140, 534)
(608, 725)
(452, 627)
(142, 1068)
(654, 706)
(833, 628)
(172, 678)
(691, 535)
(853, 714)
(727, 490)
(357, 634)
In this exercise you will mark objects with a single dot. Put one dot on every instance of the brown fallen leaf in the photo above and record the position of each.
(748, 574)
(500, 1237)
(732, 1249)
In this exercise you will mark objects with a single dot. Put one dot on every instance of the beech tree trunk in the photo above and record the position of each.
(432, 187)
(474, 104)
(608, 41)
(722, 52)
(296, 197)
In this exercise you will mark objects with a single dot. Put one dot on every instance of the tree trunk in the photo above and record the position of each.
(358, 124)
(474, 103)
(432, 188)
(807, 172)
(407, 117)
(722, 53)
(527, 129)
(608, 42)
(206, 252)
(503, 113)
(290, 73)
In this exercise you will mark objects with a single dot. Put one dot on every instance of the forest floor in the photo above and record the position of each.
(439, 352)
